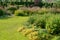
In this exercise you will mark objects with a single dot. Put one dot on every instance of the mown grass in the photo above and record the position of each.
(9, 26)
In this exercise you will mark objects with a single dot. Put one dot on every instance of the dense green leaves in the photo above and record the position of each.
(53, 24)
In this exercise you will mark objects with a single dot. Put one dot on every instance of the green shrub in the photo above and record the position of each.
(33, 11)
(18, 6)
(29, 11)
(48, 25)
(43, 11)
(8, 12)
(38, 20)
(44, 35)
(19, 13)
(12, 9)
(53, 24)
(55, 10)
(2, 12)
(24, 12)
(56, 38)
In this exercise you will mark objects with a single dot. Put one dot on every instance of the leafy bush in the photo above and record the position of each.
(2, 12)
(35, 34)
(24, 12)
(43, 28)
(53, 24)
(19, 13)
(43, 11)
(44, 35)
(38, 22)
(30, 11)
(21, 5)
(31, 33)
(56, 38)
(56, 4)
(55, 10)
(33, 11)
(12, 9)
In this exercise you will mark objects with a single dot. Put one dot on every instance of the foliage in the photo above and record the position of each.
(44, 35)
(36, 34)
(48, 25)
(2, 12)
(38, 22)
(11, 8)
(37, 10)
(31, 33)
(57, 3)
(43, 11)
(24, 12)
(19, 13)
(56, 38)
(53, 24)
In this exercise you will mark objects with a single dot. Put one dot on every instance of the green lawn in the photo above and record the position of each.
(9, 26)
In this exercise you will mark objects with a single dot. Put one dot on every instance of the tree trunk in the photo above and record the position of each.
(31, 0)
(36, 2)
(26, 2)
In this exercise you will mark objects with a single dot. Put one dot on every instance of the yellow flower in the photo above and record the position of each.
(35, 38)
(20, 29)
(28, 31)
(34, 33)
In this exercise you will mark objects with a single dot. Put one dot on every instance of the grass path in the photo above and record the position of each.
(9, 26)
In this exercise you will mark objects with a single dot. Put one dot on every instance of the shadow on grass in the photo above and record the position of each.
(23, 15)
(5, 17)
